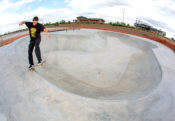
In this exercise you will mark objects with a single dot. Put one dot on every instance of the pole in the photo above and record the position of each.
(123, 15)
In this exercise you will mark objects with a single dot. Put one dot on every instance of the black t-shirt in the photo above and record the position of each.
(35, 30)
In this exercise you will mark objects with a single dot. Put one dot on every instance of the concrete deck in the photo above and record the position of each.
(90, 75)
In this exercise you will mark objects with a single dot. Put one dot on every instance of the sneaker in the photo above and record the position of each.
(30, 66)
(40, 63)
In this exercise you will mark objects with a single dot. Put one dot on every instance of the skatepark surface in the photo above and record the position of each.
(89, 75)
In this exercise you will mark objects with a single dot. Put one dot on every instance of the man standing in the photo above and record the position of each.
(35, 29)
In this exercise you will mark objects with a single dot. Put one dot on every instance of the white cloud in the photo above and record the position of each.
(160, 13)
(6, 4)
(51, 15)
(9, 22)
(111, 10)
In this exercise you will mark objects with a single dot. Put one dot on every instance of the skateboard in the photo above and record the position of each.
(31, 69)
(40, 65)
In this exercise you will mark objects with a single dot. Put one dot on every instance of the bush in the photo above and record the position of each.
(164, 34)
(56, 23)
(62, 22)
(69, 22)
(172, 39)
(49, 23)
(110, 23)
(128, 25)
(121, 24)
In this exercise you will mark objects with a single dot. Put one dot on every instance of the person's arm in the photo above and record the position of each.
(23, 22)
(42, 28)
(47, 33)
(28, 24)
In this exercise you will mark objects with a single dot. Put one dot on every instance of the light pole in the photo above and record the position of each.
(123, 15)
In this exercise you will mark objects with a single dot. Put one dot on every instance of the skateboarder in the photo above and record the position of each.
(35, 29)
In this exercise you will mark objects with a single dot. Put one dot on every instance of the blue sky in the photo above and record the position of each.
(42, 3)
(159, 13)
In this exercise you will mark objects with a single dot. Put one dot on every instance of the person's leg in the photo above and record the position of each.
(37, 50)
(30, 51)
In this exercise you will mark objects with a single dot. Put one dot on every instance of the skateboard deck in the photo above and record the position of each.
(40, 65)
(32, 69)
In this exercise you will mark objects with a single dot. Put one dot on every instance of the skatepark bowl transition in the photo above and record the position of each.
(89, 75)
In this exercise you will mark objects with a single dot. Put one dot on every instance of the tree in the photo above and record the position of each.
(56, 23)
(172, 39)
(164, 34)
(110, 23)
(69, 22)
(62, 22)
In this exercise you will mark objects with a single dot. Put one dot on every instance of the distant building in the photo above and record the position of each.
(82, 19)
(143, 25)
(146, 26)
